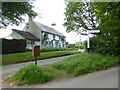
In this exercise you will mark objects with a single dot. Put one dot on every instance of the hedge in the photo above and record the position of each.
(49, 49)
(13, 46)
(105, 45)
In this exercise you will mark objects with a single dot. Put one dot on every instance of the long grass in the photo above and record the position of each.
(85, 63)
(69, 67)
(33, 74)
(27, 56)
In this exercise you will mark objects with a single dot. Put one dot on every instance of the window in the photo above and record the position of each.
(53, 36)
(32, 43)
(51, 44)
(46, 43)
(46, 35)
(56, 44)
(59, 44)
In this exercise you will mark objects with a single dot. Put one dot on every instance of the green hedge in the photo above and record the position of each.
(13, 46)
(49, 49)
(105, 45)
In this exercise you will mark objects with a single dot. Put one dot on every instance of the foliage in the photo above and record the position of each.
(62, 39)
(80, 45)
(85, 63)
(27, 56)
(13, 46)
(104, 16)
(32, 74)
(71, 46)
(105, 45)
(109, 39)
(49, 49)
(12, 12)
(79, 15)
(74, 66)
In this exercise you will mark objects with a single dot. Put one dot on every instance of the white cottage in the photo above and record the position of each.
(38, 34)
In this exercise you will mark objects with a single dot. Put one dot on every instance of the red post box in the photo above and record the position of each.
(36, 50)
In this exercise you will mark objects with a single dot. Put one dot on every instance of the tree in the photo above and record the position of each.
(109, 40)
(104, 16)
(80, 15)
(12, 12)
(80, 45)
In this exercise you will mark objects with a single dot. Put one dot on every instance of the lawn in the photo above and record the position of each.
(69, 67)
(27, 56)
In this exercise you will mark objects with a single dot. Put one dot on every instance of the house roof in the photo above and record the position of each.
(48, 29)
(26, 35)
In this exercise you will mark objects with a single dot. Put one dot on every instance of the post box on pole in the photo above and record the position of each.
(36, 52)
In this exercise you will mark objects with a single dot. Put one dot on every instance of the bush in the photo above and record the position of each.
(71, 48)
(105, 45)
(13, 46)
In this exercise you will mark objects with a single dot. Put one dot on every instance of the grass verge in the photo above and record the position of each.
(72, 66)
(33, 74)
(27, 56)
(85, 63)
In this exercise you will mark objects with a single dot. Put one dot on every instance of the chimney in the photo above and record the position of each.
(53, 24)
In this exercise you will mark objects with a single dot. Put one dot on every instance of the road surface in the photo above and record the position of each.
(14, 67)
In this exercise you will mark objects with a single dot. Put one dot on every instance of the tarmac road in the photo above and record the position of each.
(14, 67)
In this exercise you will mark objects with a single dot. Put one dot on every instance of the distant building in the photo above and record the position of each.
(38, 34)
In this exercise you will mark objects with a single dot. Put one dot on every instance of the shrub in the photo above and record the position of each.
(13, 46)
(105, 45)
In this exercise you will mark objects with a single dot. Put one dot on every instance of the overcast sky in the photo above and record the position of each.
(51, 11)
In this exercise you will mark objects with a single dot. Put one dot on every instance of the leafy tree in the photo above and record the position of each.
(12, 12)
(80, 15)
(104, 16)
(109, 40)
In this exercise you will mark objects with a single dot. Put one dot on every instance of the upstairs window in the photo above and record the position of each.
(53, 36)
(46, 35)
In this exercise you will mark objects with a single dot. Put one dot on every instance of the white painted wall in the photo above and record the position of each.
(50, 36)
(33, 29)
(56, 37)
(16, 35)
(29, 45)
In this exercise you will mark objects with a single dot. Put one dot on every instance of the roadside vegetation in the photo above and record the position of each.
(32, 74)
(85, 63)
(69, 67)
(27, 56)
(49, 49)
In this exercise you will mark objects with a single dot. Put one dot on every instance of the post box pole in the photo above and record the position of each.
(35, 60)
